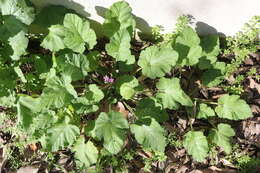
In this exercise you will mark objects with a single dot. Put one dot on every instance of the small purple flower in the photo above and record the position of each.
(108, 79)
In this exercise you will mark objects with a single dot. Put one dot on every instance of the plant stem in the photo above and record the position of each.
(206, 101)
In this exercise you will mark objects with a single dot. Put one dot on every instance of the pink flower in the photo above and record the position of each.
(108, 79)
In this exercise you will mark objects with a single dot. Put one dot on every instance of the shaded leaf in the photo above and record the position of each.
(149, 107)
(126, 85)
(187, 44)
(18, 8)
(214, 76)
(119, 16)
(13, 33)
(210, 51)
(26, 109)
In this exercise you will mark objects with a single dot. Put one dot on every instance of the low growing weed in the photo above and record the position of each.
(64, 94)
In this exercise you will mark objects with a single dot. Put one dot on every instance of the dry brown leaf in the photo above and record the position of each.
(169, 127)
(197, 171)
(214, 168)
(255, 109)
(217, 96)
(182, 169)
(254, 85)
(182, 123)
(227, 163)
(251, 130)
(28, 169)
(121, 108)
(171, 166)
(33, 147)
(144, 154)
(249, 61)
(228, 170)
(2, 158)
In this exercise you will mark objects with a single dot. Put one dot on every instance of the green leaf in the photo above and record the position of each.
(60, 136)
(77, 66)
(126, 85)
(7, 84)
(196, 145)
(111, 127)
(150, 107)
(233, 108)
(8, 101)
(26, 109)
(93, 58)
(86, 154)
(19, 45)
(78, 32)
(210, 51)
(54, 40)
(156, 61)
(119, 47)
(18, 8)
(149, 134)
(48, 16)
(214, 76)
(20, 74)
(92, 95)
(187, 44)
(44, 120)
(171, 94)
(205, 112)
(13, 33)
(117, 17)
(58, 93)
(221, 136)
(89, 101)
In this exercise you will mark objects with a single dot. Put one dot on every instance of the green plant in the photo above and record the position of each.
(243, 43)
(248, 164)
(172, 140)
(253, 73)
(64, 95)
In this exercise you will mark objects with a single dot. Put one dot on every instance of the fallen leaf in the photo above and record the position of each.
(182, 169)
(145, 154)
(254, 85)
(171, 166)
(214, 168)
(251, 130)
(197, 171)
(33, 147)
(227, 163)
(121, 108)
(228, 170)
(249, 61)
(255, 109)
(217, 96)
(28, 169)
(182, 123)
